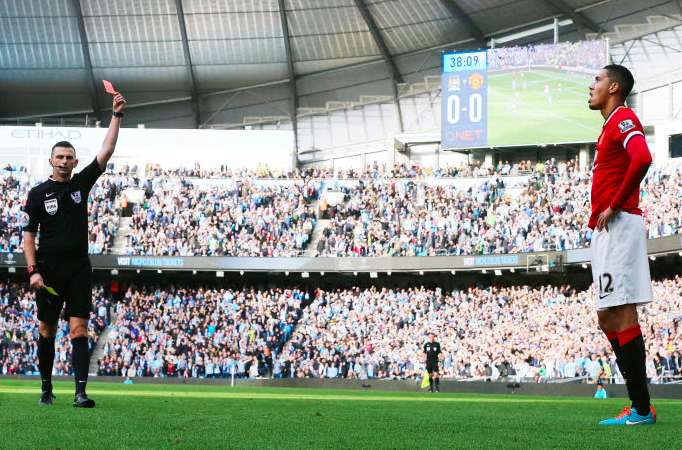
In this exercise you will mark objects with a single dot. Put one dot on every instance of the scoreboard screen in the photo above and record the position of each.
(520, 95)
(465, 99)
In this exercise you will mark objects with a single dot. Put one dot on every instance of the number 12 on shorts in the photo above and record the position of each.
(605, 284)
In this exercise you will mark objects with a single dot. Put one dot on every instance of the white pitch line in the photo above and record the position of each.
(330, 397)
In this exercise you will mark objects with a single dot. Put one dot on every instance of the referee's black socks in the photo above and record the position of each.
(46, 361)
(80, 359)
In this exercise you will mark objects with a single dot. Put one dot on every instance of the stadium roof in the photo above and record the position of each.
(156, 49)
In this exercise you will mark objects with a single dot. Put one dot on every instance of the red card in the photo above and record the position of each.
(109, 87)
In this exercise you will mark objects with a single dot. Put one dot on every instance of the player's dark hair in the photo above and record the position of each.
(65, 144)
(623, 77)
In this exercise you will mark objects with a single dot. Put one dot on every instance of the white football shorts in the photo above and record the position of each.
(620, 265)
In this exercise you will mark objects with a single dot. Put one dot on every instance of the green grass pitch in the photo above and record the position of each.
(524, 115)
(210, 416)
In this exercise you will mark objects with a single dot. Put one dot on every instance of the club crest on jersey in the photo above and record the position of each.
(76, 196)
(626, 125)
(51, 206)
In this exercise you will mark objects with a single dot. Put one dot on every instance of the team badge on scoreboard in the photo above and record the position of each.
(475, 81)
(454, 83)
(51, 206)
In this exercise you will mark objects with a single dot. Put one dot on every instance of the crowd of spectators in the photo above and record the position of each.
(662, 202)
(19, 331)
(395, 210)
(372, 170)
(238, 218)
(13, 191)
(223, 171)
(405, 218)
(103, 209)
(200, 332)
(585, 54)
(528, 333)
(486, 333)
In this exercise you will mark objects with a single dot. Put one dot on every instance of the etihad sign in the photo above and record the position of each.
(50, 134)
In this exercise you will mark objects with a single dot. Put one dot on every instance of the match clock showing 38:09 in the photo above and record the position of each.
(464, 83)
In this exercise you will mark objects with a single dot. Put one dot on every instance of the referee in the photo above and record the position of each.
(432, 351)
(58, 209)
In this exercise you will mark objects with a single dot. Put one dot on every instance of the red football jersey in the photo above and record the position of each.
(612, 162)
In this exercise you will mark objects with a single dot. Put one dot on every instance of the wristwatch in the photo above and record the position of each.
(117, 114)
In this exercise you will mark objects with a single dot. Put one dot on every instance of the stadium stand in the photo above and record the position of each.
(533, 334)
(19, 330)
(203, 332)
(237, 219)
(386, 218)
(103, 209)
(487, 333)
(13, 191)
(396, 211)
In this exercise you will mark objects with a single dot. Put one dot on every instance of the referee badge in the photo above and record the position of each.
(76, 196)
(51, 206)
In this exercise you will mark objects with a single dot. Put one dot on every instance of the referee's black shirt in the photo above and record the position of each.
(60, 209)
(432, 350)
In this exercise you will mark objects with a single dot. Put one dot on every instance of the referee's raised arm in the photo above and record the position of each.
(110, 139)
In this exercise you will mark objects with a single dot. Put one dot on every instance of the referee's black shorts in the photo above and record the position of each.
(72, 279)
(431, 366)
